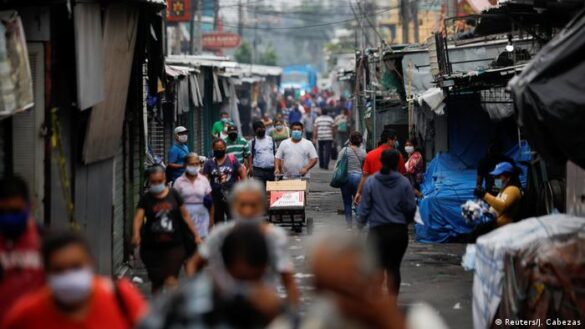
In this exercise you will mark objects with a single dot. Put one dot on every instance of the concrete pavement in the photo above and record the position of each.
(431, 273)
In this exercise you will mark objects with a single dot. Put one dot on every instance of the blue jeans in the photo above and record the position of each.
(325, 154)
(348, 192)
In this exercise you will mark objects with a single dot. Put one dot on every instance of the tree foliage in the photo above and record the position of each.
(268, 57)
(244, 53)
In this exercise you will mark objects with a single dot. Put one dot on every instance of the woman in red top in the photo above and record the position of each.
(74, 296)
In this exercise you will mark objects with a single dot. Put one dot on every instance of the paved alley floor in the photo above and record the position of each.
(431, 273)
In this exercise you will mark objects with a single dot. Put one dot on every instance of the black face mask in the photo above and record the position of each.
(261, 133)
(233, 136)
(219, 153)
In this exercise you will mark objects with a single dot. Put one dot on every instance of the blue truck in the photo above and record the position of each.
(300, 78)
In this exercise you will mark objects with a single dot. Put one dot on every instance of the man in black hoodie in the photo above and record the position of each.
(388, 205)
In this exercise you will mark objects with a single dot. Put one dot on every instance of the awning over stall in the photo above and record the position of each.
(550, 96)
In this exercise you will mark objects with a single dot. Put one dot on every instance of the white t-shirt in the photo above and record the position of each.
(295, 156)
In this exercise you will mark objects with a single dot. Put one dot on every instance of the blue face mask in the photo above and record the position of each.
(13, 224)
(296, 135)
(498, 183)
(157, 188)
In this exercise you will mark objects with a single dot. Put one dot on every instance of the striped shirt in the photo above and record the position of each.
(239, 148)
(324, 127)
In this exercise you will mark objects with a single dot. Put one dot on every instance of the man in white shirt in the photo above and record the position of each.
(324, 134)
(296, 156)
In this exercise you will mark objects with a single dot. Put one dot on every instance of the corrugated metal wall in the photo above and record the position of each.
(118, 212)
(575, 190)
(2, 150)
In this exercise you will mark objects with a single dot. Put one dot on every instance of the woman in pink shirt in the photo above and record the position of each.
(196, 191)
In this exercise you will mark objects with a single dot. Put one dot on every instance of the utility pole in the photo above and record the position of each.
(215, 14)
(405, 18)
(255, 47)
(240, 22)
(414, 8)
(198, 23)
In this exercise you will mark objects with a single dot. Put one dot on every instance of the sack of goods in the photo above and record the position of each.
(477, 211)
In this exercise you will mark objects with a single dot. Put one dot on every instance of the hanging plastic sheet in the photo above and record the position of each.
(449, 183)
(16, 91)
(493, 248)
(550, 96)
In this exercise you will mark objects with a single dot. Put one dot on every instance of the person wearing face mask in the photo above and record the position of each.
(177, 154)
(195, 190)
(21, 269)
(236, 297)
(280, 132)
(263, 150)
(296, 156)
(248, 205)
(415, 165)
(219, 128)
(223, 171)
(237, 146)
(167, 235)
(507, 203)
(75, 297)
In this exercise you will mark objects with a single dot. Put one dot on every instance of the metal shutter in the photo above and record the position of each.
(28, 144)
(2, 155)
(118, 202)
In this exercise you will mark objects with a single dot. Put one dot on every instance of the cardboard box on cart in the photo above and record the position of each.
(287, 199)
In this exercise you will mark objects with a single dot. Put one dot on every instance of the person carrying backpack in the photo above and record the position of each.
(263, 151)
(223, 171)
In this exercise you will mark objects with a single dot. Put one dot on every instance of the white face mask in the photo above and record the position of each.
(409, 149)
(183, 138)
(71, 287)
(193, 170)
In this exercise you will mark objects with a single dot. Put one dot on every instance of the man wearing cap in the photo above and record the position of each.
(177, 154)
(237, 146)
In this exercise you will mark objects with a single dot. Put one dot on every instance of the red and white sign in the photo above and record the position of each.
(178, 10)
(219, 40)
(287, 199)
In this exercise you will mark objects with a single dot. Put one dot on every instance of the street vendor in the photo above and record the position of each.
(507, 203)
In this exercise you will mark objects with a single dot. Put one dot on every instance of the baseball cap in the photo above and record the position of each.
(501, 168)
(232, 128)
(180, 129)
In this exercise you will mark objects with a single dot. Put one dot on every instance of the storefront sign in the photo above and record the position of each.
(178, 10)
(219, 40)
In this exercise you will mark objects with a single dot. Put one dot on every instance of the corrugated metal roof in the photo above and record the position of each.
(202, 60)
(262, 70)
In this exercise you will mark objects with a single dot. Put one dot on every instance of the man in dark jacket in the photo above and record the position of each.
(387, 206)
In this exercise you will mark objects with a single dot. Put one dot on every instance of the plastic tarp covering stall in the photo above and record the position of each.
(450, 177)
(493, 248)
(550, 96)
(537, 277)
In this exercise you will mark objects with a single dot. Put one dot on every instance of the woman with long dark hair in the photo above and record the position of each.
(387, 206)
(507, 202)
(415, 165)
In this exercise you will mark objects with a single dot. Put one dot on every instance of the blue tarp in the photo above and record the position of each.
(448, 183)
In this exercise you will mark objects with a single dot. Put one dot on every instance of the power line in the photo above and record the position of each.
(315, 25)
